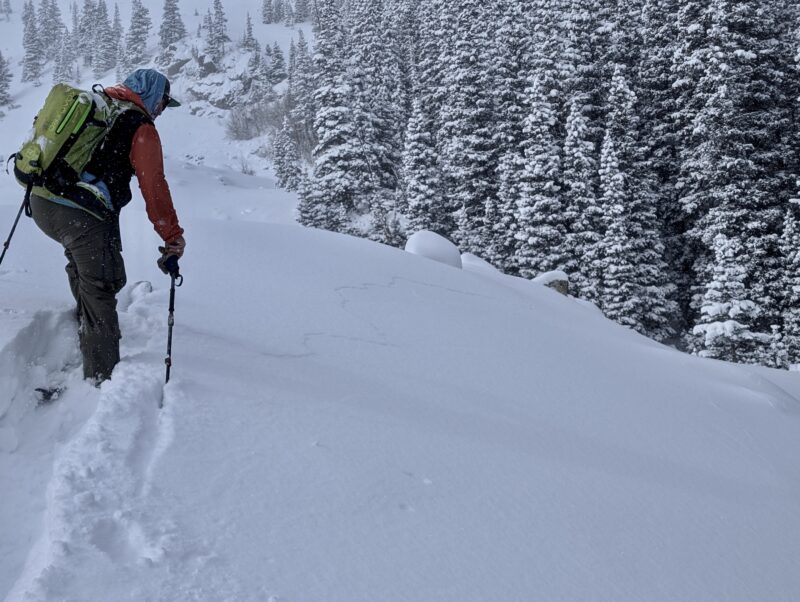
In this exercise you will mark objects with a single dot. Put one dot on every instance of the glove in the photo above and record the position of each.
(170, 253)
(175, 247)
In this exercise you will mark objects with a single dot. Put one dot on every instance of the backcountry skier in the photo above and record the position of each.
(91, 238)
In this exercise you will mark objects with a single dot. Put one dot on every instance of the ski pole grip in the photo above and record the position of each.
(171, 265)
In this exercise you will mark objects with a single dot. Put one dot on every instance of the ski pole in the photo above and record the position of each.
(24, 207)
(171, 264)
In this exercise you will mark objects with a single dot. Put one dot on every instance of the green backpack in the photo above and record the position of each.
(68, 129)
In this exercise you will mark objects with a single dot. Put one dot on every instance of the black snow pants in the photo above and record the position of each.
(96, 272)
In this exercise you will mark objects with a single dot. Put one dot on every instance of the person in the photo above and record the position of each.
(91, 240)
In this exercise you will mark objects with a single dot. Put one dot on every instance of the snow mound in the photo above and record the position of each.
(473, 263)
(431, 245)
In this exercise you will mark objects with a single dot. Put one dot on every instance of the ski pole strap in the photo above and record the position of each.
(26, 203)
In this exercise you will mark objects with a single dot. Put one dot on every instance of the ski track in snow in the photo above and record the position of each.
(94, 519)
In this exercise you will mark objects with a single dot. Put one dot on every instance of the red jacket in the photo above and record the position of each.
(147, 161)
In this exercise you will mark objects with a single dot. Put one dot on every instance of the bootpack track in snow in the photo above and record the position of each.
(102, 445)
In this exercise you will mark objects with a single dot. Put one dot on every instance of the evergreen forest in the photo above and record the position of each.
(647, 148)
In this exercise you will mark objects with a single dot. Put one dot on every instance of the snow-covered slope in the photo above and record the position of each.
(352, 422)
(349, 422)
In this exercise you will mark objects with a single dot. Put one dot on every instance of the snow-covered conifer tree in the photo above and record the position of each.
(123, 63)
(106, 45)
(50, 26)
(790, 252)
(5, 82)
(303, 110)
(469, 158)
(428, 68)
(632, 243)
(292, 59)
(172, 28)
(116, 27)
(287, 159)
(65, 60)
(383, 82)
(267, 12)
(85, 32)
(580, 204)
(502, 249)
(277, 65)
(692, 89)
(619, 295)
(778, 352)
(32, 62)
(724, 330)
(217, 32)
(207, 24)
(7, 10)
(427, 77)
(278, 11)
(400, 23)
(658, 87)
(338, 166)
(422, 181)
(288, 14)
(260, 88)
(541, 231)
(373, 109)
(511, 53)
(734, 161)
(138, 34)
(581, 38)
(249, 42)
(75, 27)
(302, 11)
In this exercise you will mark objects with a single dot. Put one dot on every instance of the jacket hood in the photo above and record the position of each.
(149, 85)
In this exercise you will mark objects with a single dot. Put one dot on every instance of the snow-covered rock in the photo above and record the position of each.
(433, 246)
(555, 279)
